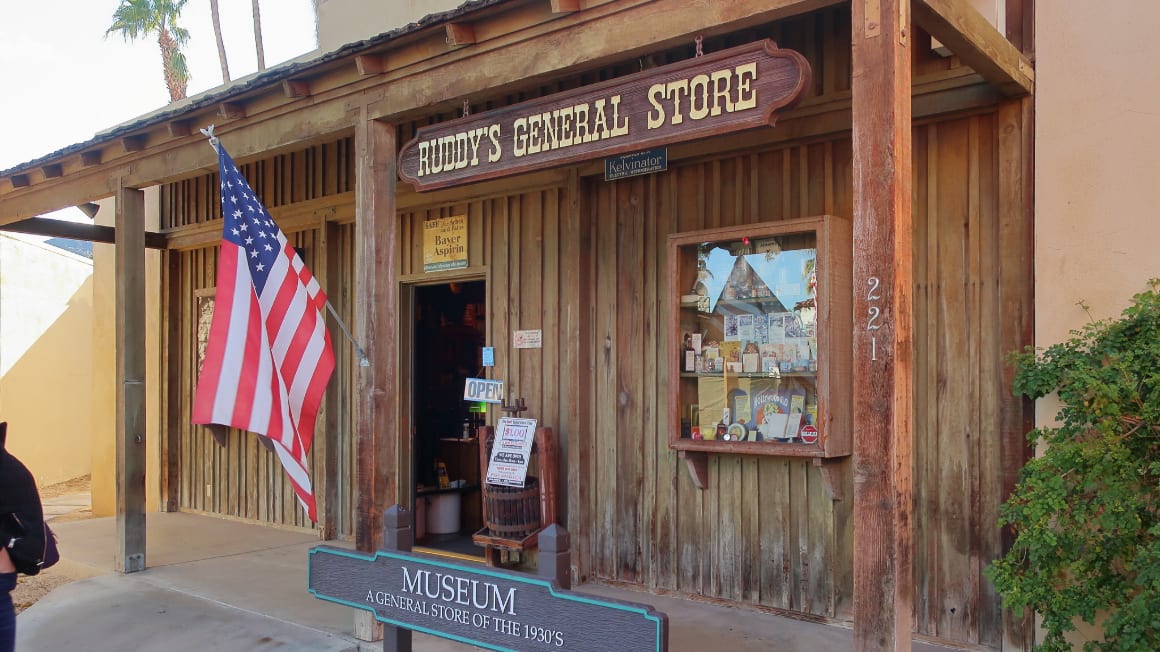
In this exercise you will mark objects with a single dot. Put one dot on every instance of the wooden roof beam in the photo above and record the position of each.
(295, 88)
(370, 64)
(77, 231)
(231, 110)
(565, 6)
(977, 43)
(459, 34)
(134, 143)
(179, 128)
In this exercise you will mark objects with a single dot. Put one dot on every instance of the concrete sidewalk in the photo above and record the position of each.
(216, 584)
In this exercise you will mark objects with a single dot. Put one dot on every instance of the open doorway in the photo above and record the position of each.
(448, 337)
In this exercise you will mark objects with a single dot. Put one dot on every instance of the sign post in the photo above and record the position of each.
(478, 605)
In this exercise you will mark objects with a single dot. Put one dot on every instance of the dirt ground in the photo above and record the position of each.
(30, 589)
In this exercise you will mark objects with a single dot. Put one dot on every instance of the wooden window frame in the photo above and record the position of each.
(833, 269)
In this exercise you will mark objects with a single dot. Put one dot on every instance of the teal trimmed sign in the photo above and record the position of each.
(479, 605)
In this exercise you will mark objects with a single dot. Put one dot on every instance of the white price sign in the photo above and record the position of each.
(508, 465)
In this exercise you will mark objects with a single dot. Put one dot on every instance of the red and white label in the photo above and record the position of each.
(809, 434)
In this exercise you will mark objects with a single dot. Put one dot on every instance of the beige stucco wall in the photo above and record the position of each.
(1097, 161)
(46, 312)
(347, 21)
(104, 388)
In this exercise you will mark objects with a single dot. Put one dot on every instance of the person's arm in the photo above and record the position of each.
(6, 565)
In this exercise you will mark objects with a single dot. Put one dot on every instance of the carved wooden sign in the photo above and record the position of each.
(481, 606)
(726, 91)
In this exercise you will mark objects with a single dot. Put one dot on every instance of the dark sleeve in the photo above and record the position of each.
(21, 514)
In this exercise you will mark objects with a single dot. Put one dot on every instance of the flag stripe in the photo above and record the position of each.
(269, 355)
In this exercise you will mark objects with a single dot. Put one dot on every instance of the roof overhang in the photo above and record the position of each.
(318, 97)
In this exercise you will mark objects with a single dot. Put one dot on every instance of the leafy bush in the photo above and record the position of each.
(1086, 515)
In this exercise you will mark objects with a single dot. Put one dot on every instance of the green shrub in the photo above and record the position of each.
(1086, 515)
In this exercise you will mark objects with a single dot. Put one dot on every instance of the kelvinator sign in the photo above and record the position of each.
(726, 91)
(482, 606)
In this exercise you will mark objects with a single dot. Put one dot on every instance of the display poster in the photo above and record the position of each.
(445, 243)
(510, 451)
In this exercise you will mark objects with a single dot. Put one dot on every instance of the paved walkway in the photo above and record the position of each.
(212, 583)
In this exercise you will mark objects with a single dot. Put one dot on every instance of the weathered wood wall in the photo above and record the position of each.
(765, 532)
(966, 242)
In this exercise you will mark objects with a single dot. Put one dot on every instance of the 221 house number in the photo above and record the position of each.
(874, 314)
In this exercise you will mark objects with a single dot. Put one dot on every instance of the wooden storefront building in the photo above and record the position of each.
(918, 166)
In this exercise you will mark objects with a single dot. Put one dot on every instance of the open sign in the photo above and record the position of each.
(482, 389)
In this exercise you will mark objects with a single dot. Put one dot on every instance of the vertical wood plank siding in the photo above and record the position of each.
(959, 376)
(765, 532)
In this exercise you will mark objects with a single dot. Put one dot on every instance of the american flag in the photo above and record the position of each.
(268, 357)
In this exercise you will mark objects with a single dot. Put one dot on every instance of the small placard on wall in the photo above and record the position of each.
(636, 163)
(489, 356)
(528, 339)
(445, 243)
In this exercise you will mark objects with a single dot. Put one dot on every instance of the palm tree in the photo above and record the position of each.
(136, 19)
(215, 16)
(258, 37)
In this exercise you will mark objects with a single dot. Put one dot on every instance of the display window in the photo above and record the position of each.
(761, 317)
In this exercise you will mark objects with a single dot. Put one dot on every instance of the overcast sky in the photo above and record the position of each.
(63, 81)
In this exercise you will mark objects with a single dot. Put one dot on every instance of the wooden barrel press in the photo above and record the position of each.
(514, 516)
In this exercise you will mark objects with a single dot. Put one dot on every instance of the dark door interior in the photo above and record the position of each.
(449, 336)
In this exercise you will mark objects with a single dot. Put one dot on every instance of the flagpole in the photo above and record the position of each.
(363, 360)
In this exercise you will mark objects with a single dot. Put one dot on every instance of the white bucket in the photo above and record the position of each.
(443, 513)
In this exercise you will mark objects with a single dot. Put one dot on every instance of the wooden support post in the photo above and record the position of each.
(326, 447)
(1016, 130)
(130, 338)
(883, 326)
(398, 536)
(376, 300)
